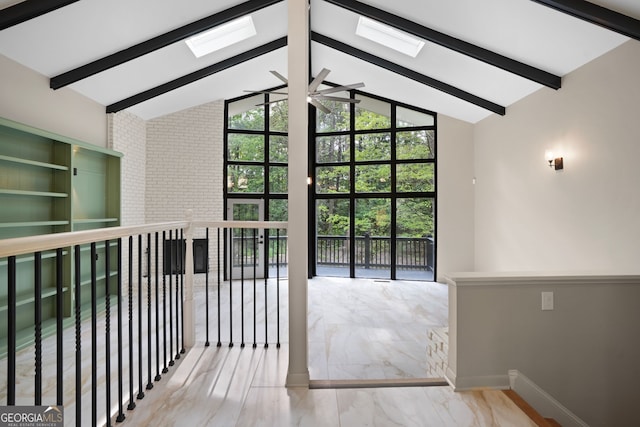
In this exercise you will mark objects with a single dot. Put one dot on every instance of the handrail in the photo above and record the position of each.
(44, 242)
(240, 224)
(67, 270)
(31, 244)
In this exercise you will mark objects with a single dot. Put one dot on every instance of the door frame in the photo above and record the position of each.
(260, 267)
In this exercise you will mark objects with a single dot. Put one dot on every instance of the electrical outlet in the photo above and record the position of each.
(547, 301)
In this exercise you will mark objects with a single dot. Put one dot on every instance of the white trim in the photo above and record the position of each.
(542, 401)
(497, 382)
(475, 279)
(31, 244)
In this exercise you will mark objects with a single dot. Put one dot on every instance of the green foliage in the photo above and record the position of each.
(368, 120)
(415, 145)
(278, 145)
(252, 119)
(332, 179)
(245, 179)
(373, 216)
(414, 217)
(245, 147)
(332, 149)
(373, 146)
(412, 177)
(278, 179)
(332, 217)
(278, 117)
(335, 121)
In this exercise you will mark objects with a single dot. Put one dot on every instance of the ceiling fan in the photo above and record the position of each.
(314, 96)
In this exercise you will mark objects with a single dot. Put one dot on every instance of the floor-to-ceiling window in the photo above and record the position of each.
(373, 182)
(374, 192)
(256, 176)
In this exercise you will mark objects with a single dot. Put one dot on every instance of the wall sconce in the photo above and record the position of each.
(554, 162)
(309, 180)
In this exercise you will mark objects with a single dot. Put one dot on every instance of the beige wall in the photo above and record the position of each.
(455, 203)
(584, 218)
(27, 98)
(584, 353)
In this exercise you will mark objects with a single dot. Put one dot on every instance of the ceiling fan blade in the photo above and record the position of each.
(280, 76)
(337, 98)
(319, 106)
(271, 102)
(268, 92)
(338, 89)
(318, 80)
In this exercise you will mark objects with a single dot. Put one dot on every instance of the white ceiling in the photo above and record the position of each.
(519, 29)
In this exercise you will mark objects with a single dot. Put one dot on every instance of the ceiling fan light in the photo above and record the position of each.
(221, 36)
(389, 36)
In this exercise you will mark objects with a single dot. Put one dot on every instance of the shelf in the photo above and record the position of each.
(33, 163)
(30, 258)
(85, 247)
(32, 193)
(32, 224)
(98, 278)
(26, 298)
(94, 220)
(25, 337)
(54, 184)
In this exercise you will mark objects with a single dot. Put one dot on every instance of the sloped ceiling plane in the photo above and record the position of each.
(477, 57)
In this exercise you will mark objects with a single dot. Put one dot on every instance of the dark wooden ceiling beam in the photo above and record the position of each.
(29, 9)
(158, 42)
(197, 75)
(598, 15)
(460, 46)
(410, 74)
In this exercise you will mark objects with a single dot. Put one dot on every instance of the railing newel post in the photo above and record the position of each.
(188, 312)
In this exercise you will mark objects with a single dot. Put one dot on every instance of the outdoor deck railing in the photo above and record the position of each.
(412, 253)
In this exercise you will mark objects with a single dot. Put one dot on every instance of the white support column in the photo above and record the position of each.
(298, 75)
(189, 313)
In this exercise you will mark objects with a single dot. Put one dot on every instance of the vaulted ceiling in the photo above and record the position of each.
(480, 56)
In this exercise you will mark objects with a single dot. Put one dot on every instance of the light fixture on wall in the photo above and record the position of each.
(554, 162)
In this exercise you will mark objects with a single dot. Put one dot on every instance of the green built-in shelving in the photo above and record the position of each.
(50, 184)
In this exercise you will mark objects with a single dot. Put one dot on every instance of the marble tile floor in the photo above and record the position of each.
(245, 387)
(358, 329)
(372, 329)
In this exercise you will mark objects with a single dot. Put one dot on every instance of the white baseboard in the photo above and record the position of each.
(498, 382)
(542, 401)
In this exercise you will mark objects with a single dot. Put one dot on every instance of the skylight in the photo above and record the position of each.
(221, 36)
(389, 37)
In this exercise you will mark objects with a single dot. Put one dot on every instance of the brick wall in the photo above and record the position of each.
(128, 134)
(184, 164)
(184, 168)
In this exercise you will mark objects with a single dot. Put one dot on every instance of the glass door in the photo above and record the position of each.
(246, 245)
